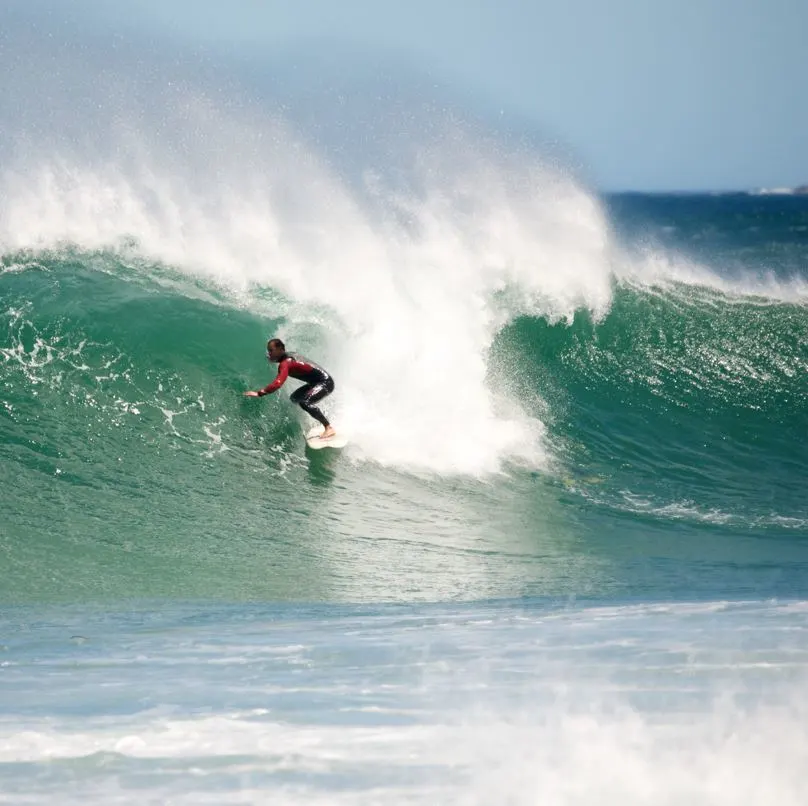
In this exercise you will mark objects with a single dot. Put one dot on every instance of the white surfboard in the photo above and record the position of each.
(314, 441)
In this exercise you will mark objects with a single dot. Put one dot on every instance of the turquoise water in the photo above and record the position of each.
(636, 444)
(563, 559)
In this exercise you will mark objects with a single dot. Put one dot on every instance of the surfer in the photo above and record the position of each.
(318, 383)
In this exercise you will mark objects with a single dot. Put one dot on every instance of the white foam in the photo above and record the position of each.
(559, 755)
(652, 268)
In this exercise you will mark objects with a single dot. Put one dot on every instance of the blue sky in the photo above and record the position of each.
(692, 94)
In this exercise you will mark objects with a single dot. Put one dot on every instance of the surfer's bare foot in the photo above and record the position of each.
(328, 433)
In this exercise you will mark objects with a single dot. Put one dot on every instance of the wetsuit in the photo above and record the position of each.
(318, 383)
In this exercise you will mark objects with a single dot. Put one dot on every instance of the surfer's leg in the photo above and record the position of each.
(310, 394)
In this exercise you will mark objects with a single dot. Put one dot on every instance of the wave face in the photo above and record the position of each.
(133, 465)
(545, 392)
(682, 398)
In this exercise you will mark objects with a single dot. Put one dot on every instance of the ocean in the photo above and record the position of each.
(563, 560)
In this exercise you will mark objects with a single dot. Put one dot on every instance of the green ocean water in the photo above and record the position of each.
(668, 457)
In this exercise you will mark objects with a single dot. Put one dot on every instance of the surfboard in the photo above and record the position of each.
(315, 443)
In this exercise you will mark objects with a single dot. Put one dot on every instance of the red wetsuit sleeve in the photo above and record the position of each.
(283, 374)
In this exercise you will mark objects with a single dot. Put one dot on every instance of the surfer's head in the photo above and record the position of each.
(275, 350)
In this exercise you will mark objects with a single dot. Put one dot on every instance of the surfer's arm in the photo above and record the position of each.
(283, 374)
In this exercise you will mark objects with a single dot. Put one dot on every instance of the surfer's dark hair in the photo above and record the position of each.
(276, 341)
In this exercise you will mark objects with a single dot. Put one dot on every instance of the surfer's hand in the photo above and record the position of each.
(251, 394)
